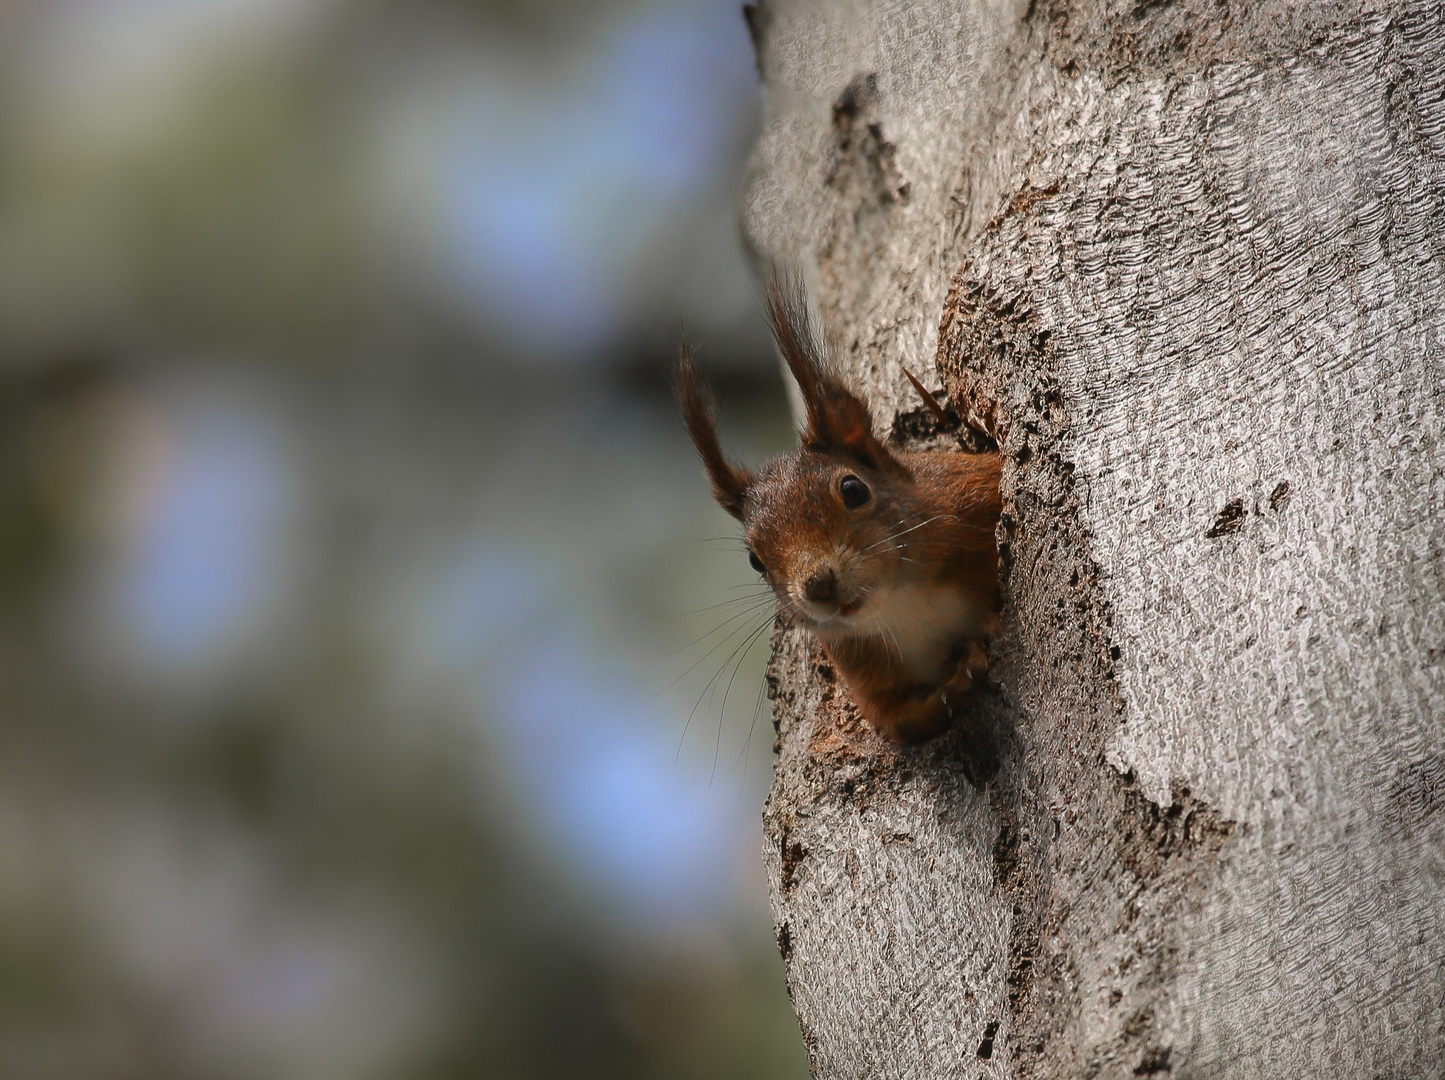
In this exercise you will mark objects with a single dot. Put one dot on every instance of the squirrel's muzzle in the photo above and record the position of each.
(822, 586)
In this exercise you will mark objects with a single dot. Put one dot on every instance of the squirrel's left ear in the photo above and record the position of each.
(837, 418)
(730, 483)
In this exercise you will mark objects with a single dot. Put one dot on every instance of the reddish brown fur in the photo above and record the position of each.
(901, 589)
(729, 483)
(961, 552)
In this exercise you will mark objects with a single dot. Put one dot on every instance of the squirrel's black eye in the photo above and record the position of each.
(855, 493)
(756, 563)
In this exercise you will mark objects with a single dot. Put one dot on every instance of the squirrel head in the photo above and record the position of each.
(825, 524)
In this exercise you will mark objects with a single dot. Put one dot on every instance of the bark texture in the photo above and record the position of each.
(1186, 262)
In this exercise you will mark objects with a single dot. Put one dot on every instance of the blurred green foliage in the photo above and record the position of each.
(300, 856)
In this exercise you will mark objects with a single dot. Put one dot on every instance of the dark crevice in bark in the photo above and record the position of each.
(1016, 866)
(985, 1047)
(1156, 1061)
(919, 429)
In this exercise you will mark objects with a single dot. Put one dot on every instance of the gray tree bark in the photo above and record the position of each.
(1186, 261)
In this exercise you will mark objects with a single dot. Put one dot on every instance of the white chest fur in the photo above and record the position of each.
(919, 622)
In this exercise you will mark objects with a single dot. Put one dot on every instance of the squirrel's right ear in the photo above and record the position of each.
(838, 419)
(729, 482)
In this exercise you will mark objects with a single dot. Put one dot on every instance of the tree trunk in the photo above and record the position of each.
(1186, 261)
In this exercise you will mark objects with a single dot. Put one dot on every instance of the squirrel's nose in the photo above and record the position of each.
(822, 587)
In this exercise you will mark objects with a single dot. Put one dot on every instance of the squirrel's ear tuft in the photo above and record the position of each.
(837, 418)
(729, 482)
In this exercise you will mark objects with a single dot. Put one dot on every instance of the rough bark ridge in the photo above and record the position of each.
(1186, 262)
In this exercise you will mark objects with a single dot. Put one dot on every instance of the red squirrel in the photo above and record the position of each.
(886, 556)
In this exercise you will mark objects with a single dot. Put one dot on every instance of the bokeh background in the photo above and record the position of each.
(357, 713)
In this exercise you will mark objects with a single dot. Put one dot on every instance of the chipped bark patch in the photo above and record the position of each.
(840, 735)
(862, 162)
(1229, 521)
(793, 854)
(865, 188)
(981, 335)
(1152, 838)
